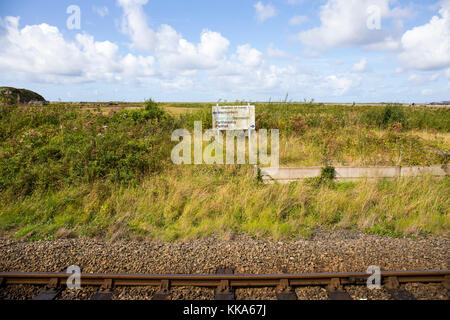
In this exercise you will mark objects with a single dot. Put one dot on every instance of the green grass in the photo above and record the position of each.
(193, 202)
(67, 171)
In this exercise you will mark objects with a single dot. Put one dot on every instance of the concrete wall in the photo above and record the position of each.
(351, 173)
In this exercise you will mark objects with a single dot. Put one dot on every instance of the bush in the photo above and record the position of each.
(328, 173)
(327, 176)
(152, 111)
(45, 149)
(382, 118)
(298, 123)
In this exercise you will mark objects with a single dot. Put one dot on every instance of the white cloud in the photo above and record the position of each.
(423, 78)
(298, 20)
(101, 11)
(275, 53)
(339, 85)
(170, 48)
(176, 53)
(249, 56)
(360, 66)
(41, 52)
(344, 23)
(264, 12)
(134, 24)
(427, 47)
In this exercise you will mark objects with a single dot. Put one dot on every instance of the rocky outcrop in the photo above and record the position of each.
(20, 96)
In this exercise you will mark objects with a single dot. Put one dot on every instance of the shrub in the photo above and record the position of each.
(45, 149)
(382, 118)
(328, 173)
(298, 123)
(153, 111)
(327, 176)
(396, 127)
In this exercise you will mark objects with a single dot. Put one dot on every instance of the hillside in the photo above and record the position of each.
(11, 95)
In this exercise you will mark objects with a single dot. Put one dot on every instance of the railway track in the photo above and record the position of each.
(225, 282)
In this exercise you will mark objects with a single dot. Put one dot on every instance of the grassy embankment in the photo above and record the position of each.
(67, 171)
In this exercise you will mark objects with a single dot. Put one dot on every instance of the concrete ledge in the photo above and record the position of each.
(351, 173)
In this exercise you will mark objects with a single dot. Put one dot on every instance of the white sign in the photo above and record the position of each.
(229, 118)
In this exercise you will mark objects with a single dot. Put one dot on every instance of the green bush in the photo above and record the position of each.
(326, 178)
(383, 117)
(44, 149)
(153, 111)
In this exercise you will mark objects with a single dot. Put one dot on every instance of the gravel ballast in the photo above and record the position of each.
(326, 251)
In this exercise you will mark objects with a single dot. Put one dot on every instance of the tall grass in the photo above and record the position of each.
(190, 202)
(65, 171)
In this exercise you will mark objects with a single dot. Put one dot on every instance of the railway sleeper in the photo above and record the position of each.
(446, 282)
(336, 291)
(285, 291)
(392, 286)
(105, 292)
(164, 291)
(224, 291)
(50, 292)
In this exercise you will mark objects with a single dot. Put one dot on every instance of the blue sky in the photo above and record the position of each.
(198, 50)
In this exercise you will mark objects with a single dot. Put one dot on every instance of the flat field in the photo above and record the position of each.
(103, 170)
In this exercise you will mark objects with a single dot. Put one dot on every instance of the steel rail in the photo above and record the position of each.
(234, 280)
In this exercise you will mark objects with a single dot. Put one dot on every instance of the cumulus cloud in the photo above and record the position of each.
(275, 53)
(41, 52)
(175, 53)
(168, 61)
(346, 23)
(134, 24)
(360, 66)
(264, 12)
(339, 85)
(169, 47)
(249, 56)
(427, 47)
